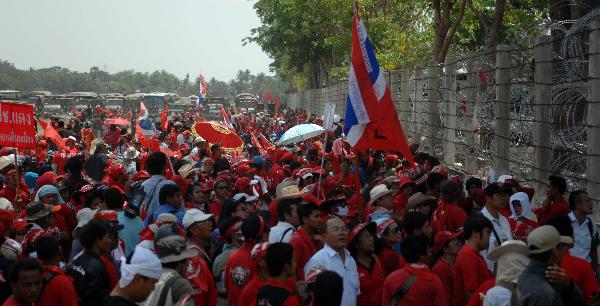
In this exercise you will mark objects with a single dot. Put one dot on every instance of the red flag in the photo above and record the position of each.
(257, 144)
(267, 97)
(371, 118)
(226, 118)
(140, 136)
(265, 142)
(52, 134)
(163, 118)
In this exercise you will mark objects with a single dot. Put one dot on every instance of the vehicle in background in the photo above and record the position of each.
(185, 104)
(114, 101)
(247, 102)
(10, 95)
(212, 108)
(36, 98)
(132, 102)
(83, 100)
(155, 103)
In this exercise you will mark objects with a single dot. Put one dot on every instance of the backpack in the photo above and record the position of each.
(162, 294)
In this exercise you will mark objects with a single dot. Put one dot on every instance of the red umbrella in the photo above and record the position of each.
(215, 132)
(117, 121)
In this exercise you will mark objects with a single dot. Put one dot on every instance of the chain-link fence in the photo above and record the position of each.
(529, 109)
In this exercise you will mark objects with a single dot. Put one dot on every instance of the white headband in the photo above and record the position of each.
(143, 262)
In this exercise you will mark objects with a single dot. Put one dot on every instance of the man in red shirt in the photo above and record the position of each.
(470, 270)
(448, 216)
(577, 269)
(554, 204)
(281, 266)
(58, 289)
(25, 280)
(447, 245)
(250, 292)
(302, 240)
(424, 287)
(240, 268)
(59, 159)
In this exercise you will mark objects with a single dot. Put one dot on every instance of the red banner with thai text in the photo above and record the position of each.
(17, 127)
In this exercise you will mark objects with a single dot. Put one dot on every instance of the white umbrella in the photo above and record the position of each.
(300, 133)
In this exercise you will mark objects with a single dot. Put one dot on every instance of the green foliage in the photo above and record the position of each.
(310, 40)
(62, 80)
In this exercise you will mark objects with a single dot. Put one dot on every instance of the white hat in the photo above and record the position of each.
(510, 246)
(378, 192)
(545, 238)
(84, 216)
(6, 204)
(249, 198)
(6, 160)
(194, 215)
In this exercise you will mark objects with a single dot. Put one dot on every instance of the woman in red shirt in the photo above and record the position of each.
(361, 244)
(522, 220)
(388, 235)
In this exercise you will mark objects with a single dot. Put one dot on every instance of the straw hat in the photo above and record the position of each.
(291, 191)
(186, 170)
(377, 192)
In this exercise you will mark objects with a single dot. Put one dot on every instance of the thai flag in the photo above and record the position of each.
(371, 121)
(256, 97)
(144, 122)
(201, 93)
(226, 119)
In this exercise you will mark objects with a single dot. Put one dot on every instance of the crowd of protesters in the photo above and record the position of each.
(176, 220)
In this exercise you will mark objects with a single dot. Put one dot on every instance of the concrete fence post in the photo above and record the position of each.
(503, 103)
(418, 104)
(405, 103)
(593, 130)
(433, 86)
(471, 151)
(542, 113)
(450, 110)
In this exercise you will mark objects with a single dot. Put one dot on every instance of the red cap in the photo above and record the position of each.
(309, 197)
(206, 187)
(245, 169)
(441, 238)
(388, 159)
(109, 215)
(441, 170)
(20, 225)
(184, 147)
(405, 180)
(288, 156)
(358, 228)
(242, 183)
(140, 175)
(115, 170)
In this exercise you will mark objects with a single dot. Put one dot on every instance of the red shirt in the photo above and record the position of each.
(448, 217)
(580, 271)
(215, 208)
(59, 291)
(11, 301)
(444, 271)
(469, 272)
(202, 281)
(371, 283)
(426, 290)
(487, 285)
(390, 260)
(292, 300)
(239, 270)
(560, 207)
(521, 228)
(60, 159)
(304, 249)
(250, 292)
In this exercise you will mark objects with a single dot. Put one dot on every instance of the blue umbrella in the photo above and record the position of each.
(300, 133)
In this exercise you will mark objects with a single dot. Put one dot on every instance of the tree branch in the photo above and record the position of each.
(453, 27)
(483, 19)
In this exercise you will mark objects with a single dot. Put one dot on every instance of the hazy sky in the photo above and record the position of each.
(180, 36)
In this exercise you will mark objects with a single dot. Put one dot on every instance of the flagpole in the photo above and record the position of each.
(322, 163)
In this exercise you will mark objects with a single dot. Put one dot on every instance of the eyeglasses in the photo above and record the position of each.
(394, 230)
(222, 187)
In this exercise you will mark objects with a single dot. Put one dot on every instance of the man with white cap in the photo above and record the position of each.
(511, 259)
(138, 277)
(546, 249)
(381, 198)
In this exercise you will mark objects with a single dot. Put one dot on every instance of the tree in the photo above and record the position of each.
(445, 26)
(491, 22)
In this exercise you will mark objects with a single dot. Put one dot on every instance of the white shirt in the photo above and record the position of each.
(583, 239)
(330, 260)
(502, 228)
(497, 296)
(282, 232)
